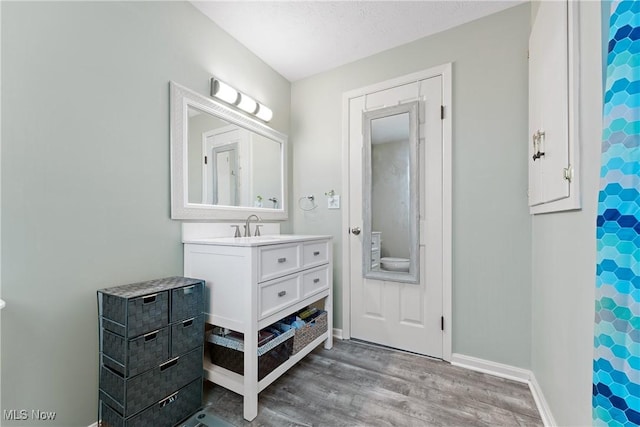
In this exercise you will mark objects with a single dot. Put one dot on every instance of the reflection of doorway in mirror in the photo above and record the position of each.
(226, 183)
(225, 173)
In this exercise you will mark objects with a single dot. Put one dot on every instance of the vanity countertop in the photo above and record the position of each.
(255, 240)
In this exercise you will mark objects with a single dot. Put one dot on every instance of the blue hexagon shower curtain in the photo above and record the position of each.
(616, 367)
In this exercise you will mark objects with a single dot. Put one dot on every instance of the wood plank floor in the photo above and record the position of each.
(356, 384)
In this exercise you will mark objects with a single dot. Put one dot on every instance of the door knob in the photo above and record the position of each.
(355, 230)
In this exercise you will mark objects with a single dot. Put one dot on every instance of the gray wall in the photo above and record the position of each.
(85, 174)
(564, 258)
(491, 223)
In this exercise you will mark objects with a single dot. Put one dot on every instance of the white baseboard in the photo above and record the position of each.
(541, 403)
(337, 333)
(511, 373)
(492, 368)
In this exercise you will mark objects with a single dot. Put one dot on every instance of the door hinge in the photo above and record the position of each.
(442, 112)
(442, 323)
(568, 173)
(205, 160)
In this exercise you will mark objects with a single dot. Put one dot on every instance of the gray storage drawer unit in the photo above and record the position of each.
(151, 347)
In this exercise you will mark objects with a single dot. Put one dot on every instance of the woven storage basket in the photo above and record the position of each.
(167, 412)
(187, 335)
(128, 396)
(132, 357)
(309, 332)
(230, 354)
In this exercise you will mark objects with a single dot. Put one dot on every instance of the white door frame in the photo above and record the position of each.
(447, 138)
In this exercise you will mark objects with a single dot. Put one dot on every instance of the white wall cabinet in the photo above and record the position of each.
(254, 282)
(553, 136)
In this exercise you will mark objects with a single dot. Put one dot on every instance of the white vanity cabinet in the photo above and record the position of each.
(254, 282)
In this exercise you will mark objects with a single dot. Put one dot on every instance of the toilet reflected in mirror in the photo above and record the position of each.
(394, 264)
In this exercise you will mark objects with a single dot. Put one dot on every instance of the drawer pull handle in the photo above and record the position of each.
(149, 299)
(316, 280)
(316, 253)
(187, 323)
(170, 363)
(281, 260)
(189, 290)
(168, 400)
(282, 293)
(151, 336)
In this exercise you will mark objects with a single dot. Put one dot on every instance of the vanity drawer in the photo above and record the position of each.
(315, 280)
(278, 294)
(278, 260)
(315, 253)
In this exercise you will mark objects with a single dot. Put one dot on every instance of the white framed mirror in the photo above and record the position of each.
(224, 165)
(391, 192)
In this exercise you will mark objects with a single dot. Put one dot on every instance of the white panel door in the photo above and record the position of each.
(402, 315)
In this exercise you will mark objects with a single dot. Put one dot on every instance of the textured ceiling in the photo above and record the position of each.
(302, 38)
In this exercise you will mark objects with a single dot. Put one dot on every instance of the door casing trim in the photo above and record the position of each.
(445, 71)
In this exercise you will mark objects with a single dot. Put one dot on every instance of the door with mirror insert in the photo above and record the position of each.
(395, 145)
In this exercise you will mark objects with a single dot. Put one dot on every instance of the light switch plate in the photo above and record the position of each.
(333, 202)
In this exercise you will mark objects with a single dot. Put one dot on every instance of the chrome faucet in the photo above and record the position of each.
(247, 224)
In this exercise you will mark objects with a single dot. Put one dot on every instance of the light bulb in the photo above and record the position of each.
(223, 91)
(246, 103)
(264, 113)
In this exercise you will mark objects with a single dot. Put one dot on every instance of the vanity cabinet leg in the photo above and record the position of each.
(250, 392)
(250, 406)
(328, 343)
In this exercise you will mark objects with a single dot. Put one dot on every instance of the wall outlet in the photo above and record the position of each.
(333, 202)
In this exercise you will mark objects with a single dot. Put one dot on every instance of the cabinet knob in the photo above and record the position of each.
(316, 280)
(282, 293)
(282, 260)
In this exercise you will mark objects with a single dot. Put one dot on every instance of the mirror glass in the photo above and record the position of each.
(231, 166)
(391, 197)
(225, 165)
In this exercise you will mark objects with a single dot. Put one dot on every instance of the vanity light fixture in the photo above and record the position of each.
(226, 93)
(223, 91)
(264, 113)
(246, 103)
